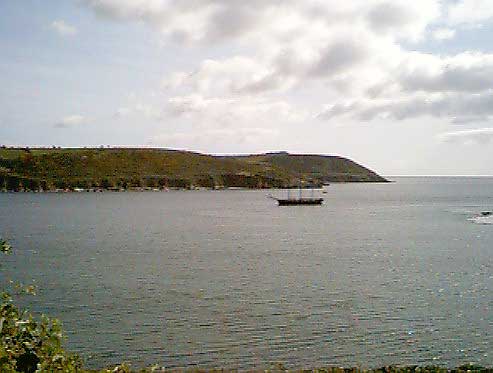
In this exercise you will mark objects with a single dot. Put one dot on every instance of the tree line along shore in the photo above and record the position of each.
(120, 169)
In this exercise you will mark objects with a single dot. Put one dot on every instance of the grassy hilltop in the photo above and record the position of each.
(122, 168)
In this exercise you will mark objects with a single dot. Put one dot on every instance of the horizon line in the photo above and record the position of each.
(387, 176)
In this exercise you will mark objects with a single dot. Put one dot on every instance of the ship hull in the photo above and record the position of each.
(300, 202)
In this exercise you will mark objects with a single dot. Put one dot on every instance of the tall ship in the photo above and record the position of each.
(299, 200)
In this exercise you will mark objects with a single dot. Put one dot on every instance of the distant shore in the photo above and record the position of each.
(164, 190)
(118, 169)
(140, 190)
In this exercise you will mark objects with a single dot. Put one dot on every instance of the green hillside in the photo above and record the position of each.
(123, 168)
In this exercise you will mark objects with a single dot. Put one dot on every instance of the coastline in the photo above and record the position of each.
(278, 367)
(190, 189)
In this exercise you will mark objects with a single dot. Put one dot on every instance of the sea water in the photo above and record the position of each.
(381, 274)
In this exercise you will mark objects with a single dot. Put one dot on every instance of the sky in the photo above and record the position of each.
(403, 87)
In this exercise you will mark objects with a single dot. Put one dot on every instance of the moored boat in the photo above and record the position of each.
(299, 201)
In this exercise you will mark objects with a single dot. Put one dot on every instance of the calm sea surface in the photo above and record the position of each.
(381, 274)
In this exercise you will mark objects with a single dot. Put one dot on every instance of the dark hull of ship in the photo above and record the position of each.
(300, 201)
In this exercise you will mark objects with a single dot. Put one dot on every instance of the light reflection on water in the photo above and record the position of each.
(381, 274)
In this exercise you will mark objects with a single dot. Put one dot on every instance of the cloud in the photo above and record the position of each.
(216, 20)
(481, 136)
(456, 88)
(407, 19)
(361, 50)
(188, 21)
(443, 34)
(63, 28)
(287, 42)
(282, 70)
(123, 112)
(214, 77)
(142, 109)
(466, 72)
(70, 121)
(231, 112)
(459, 108)
(204, 138)
(470, 12)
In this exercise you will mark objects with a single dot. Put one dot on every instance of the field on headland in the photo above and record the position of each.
(124, 168)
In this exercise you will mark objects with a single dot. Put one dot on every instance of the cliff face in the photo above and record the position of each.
(34, 169)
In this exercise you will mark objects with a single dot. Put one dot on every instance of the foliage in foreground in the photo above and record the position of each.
(28, 344)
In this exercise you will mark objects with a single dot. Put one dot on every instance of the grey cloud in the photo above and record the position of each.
(337, 57)
(231, 21)
(227, 21)
(449, 79)
(331, 60)
(459, 108)
(454, 107)
(128, 10)
(387, 16)
(219, 19)
(285, 65)
(268, 83)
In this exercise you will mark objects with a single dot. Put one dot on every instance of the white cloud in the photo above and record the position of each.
(326, 48)
(288, 43)
(223, 123)
(482, 136)
(231, 112)
(444, 34)
(70, 121)
(215, 20)
(470, 11)
(214, 77)
(63, 28)
(123, 112)
(141, 109)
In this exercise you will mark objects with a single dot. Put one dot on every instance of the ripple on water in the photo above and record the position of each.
(233, 281)
(482, 220)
